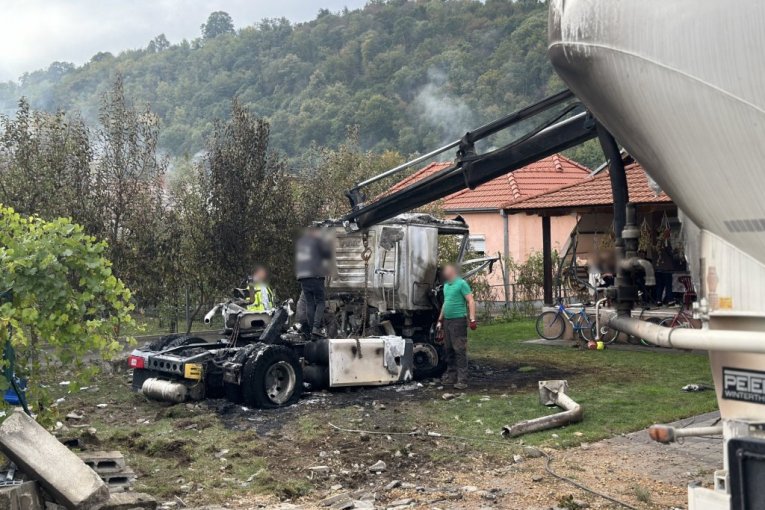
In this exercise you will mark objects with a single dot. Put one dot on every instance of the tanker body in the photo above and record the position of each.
(681, 85)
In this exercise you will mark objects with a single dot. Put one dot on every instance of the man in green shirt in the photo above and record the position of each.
(457, 313)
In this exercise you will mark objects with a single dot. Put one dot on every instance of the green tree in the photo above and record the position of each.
(327, 174)
(236, 210)
(128, 193)
(218, 23)
(65, 302)
(45, 164)
(369, 67)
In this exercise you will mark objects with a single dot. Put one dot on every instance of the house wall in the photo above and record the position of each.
(525, 237)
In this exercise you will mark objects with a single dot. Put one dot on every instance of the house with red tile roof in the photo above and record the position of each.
(492, 230)
(591, 200)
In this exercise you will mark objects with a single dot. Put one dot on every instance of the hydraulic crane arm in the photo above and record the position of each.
(470, 169)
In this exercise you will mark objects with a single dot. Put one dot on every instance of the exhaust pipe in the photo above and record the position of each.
(164, 391)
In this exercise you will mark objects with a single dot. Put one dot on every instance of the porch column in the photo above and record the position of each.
(505, 256)
(547, 279)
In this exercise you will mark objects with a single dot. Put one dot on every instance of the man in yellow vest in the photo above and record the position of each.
(261, 298)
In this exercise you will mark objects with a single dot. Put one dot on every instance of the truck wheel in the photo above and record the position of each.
(272, 377)
(429, 360)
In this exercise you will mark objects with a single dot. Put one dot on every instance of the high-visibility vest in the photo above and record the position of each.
(261, 298)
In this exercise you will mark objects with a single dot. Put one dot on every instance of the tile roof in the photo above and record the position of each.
(544, 175)
(593, 191)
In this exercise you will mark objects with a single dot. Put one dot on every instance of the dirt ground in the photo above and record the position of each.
(215, 452)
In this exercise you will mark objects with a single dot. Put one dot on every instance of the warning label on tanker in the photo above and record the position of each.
(744, 385)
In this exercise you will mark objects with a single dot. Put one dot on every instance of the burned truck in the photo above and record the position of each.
(384, 303)
(385, 280)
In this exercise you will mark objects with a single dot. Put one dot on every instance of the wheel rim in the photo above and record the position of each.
(425, 356)
(280, 382)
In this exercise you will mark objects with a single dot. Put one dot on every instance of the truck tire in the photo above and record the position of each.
(170, 341)
(272, 377)
(160, 343)
(184, 340)
(429, 360)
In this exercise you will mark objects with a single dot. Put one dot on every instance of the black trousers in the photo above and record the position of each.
(663, 287)
(315, 297)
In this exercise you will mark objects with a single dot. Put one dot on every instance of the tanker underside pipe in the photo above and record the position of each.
(551, 393)
(687, 338)
(666, 434)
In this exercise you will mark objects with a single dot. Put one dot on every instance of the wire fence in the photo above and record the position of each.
(522, 302)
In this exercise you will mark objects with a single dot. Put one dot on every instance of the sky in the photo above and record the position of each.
(34, 33)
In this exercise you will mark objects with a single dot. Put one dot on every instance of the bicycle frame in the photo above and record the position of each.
(577, 326)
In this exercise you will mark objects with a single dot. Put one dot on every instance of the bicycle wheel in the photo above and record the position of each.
(657, 321)
(678, 321)
(550, 325)
(586, 328)
(607, 335)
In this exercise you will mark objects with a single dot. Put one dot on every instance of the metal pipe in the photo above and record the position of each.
(209, 316)
(634, 264)
(686, 338)
(667, 434)
(597, 317)
(617, 176)
(550, 393)
(408, 164)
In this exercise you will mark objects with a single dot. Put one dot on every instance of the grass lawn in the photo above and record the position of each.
(621, 391)
(214, 452)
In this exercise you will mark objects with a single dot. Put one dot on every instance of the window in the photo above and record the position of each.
(477, 244)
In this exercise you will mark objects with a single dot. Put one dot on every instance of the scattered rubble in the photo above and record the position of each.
(392, 485)
(378, 467)
(61, 479)
(41, 456)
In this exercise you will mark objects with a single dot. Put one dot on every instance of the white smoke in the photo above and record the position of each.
(448, 115)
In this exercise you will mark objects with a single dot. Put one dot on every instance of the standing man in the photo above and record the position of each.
(261, 298)
(312, 256)
(457, 313)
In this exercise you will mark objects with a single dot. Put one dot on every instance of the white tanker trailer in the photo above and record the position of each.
(681, 85)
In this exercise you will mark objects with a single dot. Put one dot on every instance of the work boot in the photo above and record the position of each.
(318, 333)
(460, 386)
(448, 379)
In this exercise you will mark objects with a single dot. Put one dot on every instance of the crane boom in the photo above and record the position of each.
(470, 169)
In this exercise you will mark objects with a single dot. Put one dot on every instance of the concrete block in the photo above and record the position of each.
(104, 462)
(21, 497)
(119, 481)
(129, 501)
(41, 456)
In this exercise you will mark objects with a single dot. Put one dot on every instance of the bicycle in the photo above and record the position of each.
(682, 319)
(551, 325)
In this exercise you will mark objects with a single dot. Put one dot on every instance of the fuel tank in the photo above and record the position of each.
(681, 85)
